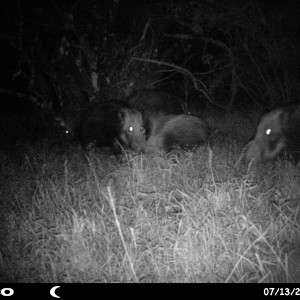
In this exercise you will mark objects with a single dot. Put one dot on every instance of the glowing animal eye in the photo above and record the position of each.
(268, 131)
(130, 129)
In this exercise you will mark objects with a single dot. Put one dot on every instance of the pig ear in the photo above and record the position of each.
(121, 116)
(284, 119)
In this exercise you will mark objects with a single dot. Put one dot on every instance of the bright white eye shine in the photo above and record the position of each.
(268, 131)
(130, 129)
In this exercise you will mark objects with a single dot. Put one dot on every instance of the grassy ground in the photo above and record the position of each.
(183, 217)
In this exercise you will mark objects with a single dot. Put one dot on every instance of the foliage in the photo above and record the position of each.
(232, 54)
(177, 217)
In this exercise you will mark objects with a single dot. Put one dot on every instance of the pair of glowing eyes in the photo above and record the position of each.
(130, 129)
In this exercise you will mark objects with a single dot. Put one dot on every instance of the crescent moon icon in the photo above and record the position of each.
(52, 291)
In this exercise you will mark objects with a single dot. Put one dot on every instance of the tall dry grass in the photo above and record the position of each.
(179, 217)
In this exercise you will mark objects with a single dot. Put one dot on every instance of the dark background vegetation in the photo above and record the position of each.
(200, 216)
(57, 57)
